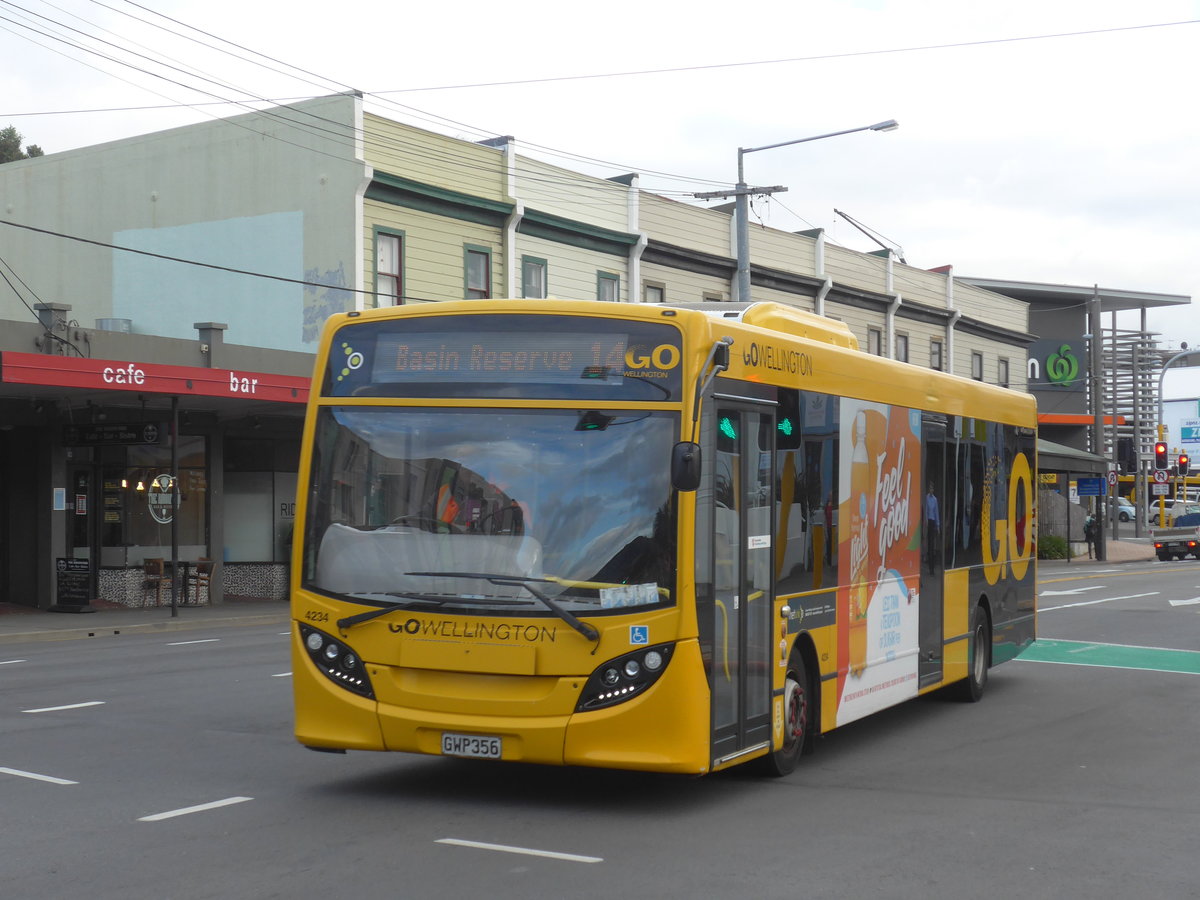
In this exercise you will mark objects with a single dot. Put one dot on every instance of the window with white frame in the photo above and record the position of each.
(477, 272)
(608, 287)
(389, 268)
(902, 347)
(533, 278)
(936, 357)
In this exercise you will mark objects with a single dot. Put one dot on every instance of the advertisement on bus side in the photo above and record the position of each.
(879, 556)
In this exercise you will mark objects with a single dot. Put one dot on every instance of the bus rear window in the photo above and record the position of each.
(529, 356)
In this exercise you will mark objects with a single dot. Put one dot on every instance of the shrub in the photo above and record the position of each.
(1051, 546)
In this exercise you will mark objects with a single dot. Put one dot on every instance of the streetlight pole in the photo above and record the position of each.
(741, 194)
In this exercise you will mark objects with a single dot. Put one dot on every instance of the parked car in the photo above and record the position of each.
(1126, 511)
(1174, 511)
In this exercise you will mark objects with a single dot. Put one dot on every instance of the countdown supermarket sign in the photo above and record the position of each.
(149, 378)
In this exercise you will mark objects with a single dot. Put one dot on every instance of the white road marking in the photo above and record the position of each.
(185, 643)
(1193, 602)
(36, 777)
(283, 675)
(216, 804)
(1093, 602)
(1078, 590)
(68, 706)
(525, 851)
(9, 662)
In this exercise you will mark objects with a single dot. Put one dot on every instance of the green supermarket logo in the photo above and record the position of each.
(1062, 367)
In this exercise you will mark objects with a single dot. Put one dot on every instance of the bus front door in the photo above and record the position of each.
(743, 525)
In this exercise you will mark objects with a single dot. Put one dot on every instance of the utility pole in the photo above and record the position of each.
(742, 191)
(741, 214)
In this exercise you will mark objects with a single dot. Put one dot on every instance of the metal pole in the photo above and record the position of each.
(1111, 498)
(174, 502)
(1094, 326)
(741, 210)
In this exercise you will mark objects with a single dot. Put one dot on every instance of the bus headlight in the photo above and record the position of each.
(628, 676)
(337, 662)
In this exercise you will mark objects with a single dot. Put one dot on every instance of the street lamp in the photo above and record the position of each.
(743, 191)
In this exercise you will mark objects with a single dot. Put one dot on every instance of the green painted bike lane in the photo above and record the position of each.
(1113, 656)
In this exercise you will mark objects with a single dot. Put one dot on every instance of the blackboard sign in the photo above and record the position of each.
(74, 581)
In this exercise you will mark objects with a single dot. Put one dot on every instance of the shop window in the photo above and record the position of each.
(260, 499)
(138, 516)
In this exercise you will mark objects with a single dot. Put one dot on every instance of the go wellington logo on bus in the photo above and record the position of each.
(496, 631)
(1008, 541)
(664, 356)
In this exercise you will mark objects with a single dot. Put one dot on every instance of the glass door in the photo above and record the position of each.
(743, 589)
(933, 543)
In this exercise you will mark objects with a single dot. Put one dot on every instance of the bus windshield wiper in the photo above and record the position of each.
(439, 599)
(527, 583)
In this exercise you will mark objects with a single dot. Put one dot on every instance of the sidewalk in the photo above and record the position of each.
(22, 623)
(1117, 552)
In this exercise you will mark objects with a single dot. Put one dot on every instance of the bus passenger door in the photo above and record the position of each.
(934, 510)
(743, 525)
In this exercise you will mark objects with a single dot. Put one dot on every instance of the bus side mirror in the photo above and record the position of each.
(685, 466)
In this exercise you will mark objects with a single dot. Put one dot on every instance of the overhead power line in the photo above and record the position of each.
(850, 54)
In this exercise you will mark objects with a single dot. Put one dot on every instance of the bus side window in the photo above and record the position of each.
(807, 450)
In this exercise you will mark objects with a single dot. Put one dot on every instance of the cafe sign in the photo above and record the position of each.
(150, 378)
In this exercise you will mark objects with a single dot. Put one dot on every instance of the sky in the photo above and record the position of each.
(1039, 140)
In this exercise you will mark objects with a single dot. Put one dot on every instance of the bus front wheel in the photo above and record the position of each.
(798, 712)
(979, 656)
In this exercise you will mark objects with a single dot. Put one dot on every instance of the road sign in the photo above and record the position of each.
(1160, 476)
(1160, 490)
(1090, 487)
(1112, 477)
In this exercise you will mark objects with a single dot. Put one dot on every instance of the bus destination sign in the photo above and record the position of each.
(521, 356)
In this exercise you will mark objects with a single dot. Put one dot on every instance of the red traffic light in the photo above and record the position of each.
(1160, 455)
(1183, 464)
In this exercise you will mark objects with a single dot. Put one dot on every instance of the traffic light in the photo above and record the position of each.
(1160, 455)
(1183, 464)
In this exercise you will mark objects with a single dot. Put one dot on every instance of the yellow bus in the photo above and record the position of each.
(644, 537)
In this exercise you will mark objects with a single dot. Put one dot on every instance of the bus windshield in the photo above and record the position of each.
(492, 510)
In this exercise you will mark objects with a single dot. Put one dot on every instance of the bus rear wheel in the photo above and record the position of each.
(979, 657)
(797, 720)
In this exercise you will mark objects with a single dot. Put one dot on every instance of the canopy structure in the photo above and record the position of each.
(1054, 457)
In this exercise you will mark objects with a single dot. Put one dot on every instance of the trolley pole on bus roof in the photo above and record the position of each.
(742, 192)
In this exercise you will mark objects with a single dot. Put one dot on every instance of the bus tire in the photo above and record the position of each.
(979, 657)
(798, 710)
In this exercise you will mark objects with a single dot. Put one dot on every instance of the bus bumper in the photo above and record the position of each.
(664, 730)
